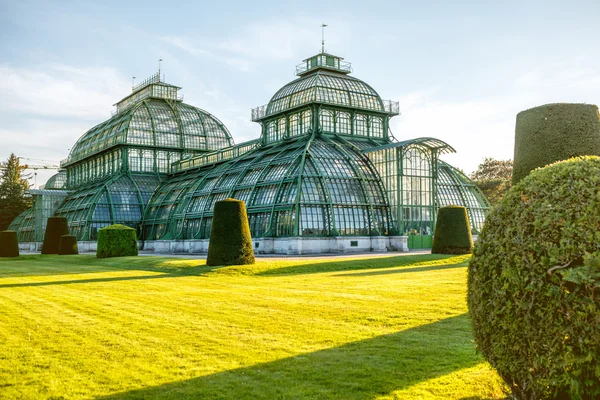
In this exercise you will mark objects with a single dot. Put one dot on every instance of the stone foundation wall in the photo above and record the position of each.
(291, 245)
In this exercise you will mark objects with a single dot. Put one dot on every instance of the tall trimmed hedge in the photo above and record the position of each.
(55, 228)
(452, 231)
(117, 241)
(68, 245)
(533, 283)
(230, 241)
(9, 244)
(554, 132)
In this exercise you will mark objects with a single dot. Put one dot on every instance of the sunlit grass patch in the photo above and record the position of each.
(160, 327)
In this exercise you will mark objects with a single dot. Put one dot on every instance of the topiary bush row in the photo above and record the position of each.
(117, 241)
(230, 240)
(9, 244)
(452, 231)
(554, 132)
(67, 244)
(534, 283)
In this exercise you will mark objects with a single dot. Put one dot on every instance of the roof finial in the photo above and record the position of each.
(132, 83)
(323, 37)
(159, 61)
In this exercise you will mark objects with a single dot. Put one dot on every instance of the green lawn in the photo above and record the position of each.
(393, 327)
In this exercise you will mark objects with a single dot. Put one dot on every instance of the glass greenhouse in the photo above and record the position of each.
(325, 166)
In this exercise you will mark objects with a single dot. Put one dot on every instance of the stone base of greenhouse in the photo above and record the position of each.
(291, 245)
(288, 245)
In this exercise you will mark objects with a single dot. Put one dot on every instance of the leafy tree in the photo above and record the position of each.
(494, 178)
(13, 184)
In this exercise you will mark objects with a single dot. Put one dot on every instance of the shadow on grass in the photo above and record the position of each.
(358, 370)
(49, 265)
(433, 261)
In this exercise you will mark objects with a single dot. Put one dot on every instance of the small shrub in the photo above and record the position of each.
(68, 245)
(554, 132)
(533, 283)
(117, 241)
(55, 228)
(230, 241)
(452, 231)
(9, 244)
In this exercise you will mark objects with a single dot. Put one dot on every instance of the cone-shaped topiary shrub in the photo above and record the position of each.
(9, 244)
(452, 231)
(68, 245)
(554, 132)
(230, 241)
(533, 283)
(55, 228)
(117, 241)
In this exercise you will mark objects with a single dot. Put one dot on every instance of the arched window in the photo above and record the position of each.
(342, 124)
(360, 125)
(326, 121)
(306, 121)
(376, 127)
(271, 132)
(281, 129)
(294, 125)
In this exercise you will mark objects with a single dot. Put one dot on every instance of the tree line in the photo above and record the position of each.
(494, 178)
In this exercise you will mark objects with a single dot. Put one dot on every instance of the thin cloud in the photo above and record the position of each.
(61, 91)
(186, 45)
(258, 43)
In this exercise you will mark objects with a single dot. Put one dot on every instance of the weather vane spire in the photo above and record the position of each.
(323, 37)
(159, 61)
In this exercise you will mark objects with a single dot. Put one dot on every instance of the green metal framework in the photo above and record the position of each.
(417, 183)
(326, 164)
(30, 225)
(117, 200)
(309, 186)
(454, 187)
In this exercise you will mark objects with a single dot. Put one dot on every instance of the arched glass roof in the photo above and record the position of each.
(24, 225)
(326, 87)
(438, 145)
(307, 187)
(455, 188)
(117, 200)
(155, 123)
(56, 181)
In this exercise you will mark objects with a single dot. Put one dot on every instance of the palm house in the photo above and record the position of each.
(325, 175)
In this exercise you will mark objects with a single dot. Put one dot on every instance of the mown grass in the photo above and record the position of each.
(168, 328)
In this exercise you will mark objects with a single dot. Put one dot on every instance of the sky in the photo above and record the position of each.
(461, 70)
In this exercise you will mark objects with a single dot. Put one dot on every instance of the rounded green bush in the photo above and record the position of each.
(452, 231)
(68, 245)
(554, 132)
(55, 228)
(534, 283)
(117, 241)
(230, 241)
(9, 244)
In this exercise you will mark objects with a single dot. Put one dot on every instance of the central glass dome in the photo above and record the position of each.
(326, 86)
